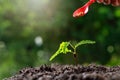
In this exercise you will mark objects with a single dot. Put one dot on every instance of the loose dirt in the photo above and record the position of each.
(68, 72)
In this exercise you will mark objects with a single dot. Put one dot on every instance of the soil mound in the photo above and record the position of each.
(68, 72)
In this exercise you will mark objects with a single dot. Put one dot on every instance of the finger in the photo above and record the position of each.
(106, 2)
(115, 2)
(119, 2)
(100, 1)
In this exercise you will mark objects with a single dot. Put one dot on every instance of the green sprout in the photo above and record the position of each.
(63, 48)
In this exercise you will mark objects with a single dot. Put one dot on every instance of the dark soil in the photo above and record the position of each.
(68, 72)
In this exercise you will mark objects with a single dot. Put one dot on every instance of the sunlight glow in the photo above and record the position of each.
(42, 14)
(38, 3)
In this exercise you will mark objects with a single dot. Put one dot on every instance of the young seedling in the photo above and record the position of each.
(63, 48)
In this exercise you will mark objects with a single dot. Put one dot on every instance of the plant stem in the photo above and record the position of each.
(72, 46)
(75, 56)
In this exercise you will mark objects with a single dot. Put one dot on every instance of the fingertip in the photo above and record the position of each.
(119, 2)
(99, 1)
(107, 2)
(115, 2)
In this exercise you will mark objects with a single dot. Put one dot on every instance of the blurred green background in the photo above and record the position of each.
(31, 31)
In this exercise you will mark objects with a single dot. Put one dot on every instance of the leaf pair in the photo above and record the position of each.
(63, 48)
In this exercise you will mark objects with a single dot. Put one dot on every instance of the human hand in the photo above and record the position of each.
(112, 2)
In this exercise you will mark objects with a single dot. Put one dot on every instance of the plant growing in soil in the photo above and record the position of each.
(64, 48)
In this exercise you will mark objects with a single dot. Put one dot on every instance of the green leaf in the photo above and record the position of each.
(84, 42)
(63, 48)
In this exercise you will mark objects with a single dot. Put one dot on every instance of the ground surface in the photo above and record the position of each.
(68, 72)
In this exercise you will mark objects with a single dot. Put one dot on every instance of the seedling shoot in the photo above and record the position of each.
(63, 49)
